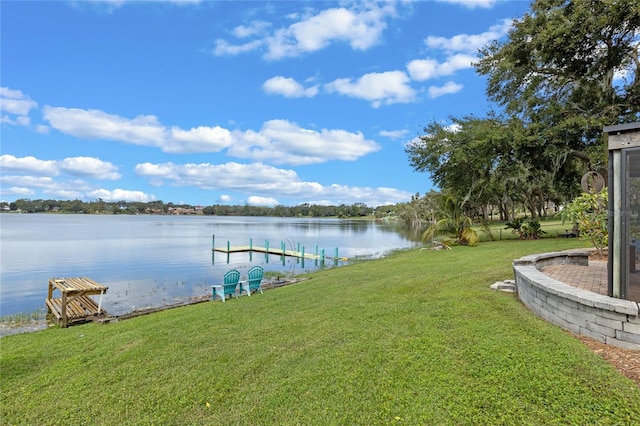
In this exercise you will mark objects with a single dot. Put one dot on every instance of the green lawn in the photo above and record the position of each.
(552, 227)
(415, 338)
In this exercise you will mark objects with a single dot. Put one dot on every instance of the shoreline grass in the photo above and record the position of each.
(415, 338)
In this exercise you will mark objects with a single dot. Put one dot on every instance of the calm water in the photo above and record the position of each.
(154, 260)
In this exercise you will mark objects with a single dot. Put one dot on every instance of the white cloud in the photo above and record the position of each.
(87, 167)
(15, 107)
(387, 88)
(472, 4)
(28, 181)
(29, 165)
(253, 29)
(460, 55)
(288, 87)
(16, 191)
(228, 176)
(469, 43)
(269, 182)
(27, 186)
(449, 88)
(283, 142)
(95, 124)
(42, 129)
(394, 134)
(120, 195)
(360, 26)
(143, 130)
(225, 48)
(15, 102)
(199, 139)
(278, 141)
(261, 201)
(425, 69)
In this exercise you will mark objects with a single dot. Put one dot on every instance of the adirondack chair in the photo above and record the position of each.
(230, 282)
(254, 281)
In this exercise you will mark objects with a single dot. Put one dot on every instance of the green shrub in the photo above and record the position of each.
(589, 211)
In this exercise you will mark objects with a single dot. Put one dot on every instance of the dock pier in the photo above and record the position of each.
(267, 250)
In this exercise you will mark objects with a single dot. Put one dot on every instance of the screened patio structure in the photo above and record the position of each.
(624, 211)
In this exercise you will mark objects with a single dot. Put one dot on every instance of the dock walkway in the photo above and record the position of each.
(274, 251)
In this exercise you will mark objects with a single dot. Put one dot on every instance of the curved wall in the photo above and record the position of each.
(612, 321)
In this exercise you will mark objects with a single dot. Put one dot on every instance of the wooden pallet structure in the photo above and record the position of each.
(74, 304)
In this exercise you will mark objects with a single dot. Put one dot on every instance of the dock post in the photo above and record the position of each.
(335, 259)
(282, 256)
(100, 301)
(250, 249)
(266, 252)
(213, 249)
(302, 261)
(322, 257)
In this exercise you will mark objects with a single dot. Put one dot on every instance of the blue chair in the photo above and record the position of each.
(254, 281)
(230, 282)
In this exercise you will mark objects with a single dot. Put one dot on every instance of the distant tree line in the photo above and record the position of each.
(100, 206)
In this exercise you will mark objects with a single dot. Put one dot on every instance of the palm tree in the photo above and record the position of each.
(456, 224)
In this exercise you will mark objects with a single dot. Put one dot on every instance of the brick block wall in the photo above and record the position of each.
(609, 320)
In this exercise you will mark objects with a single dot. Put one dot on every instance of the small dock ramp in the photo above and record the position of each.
(74, 304)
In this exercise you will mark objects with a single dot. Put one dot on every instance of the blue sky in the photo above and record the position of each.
(212, 102)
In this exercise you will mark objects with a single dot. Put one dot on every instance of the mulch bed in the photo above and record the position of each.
(625, 361)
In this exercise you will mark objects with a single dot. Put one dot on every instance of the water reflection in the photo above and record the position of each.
(154, 260)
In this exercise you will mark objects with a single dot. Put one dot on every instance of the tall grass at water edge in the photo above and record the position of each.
(414, 338)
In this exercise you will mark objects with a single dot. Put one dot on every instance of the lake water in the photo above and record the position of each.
(150, 261)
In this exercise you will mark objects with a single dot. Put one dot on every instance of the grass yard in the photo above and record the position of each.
(416, 338)
(552, 227)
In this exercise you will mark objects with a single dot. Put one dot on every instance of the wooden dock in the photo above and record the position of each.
(300, 253)
(273, 251)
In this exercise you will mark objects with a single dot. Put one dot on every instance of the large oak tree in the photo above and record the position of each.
(567, 69)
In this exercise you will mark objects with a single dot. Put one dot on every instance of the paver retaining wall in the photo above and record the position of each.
(609, 320)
